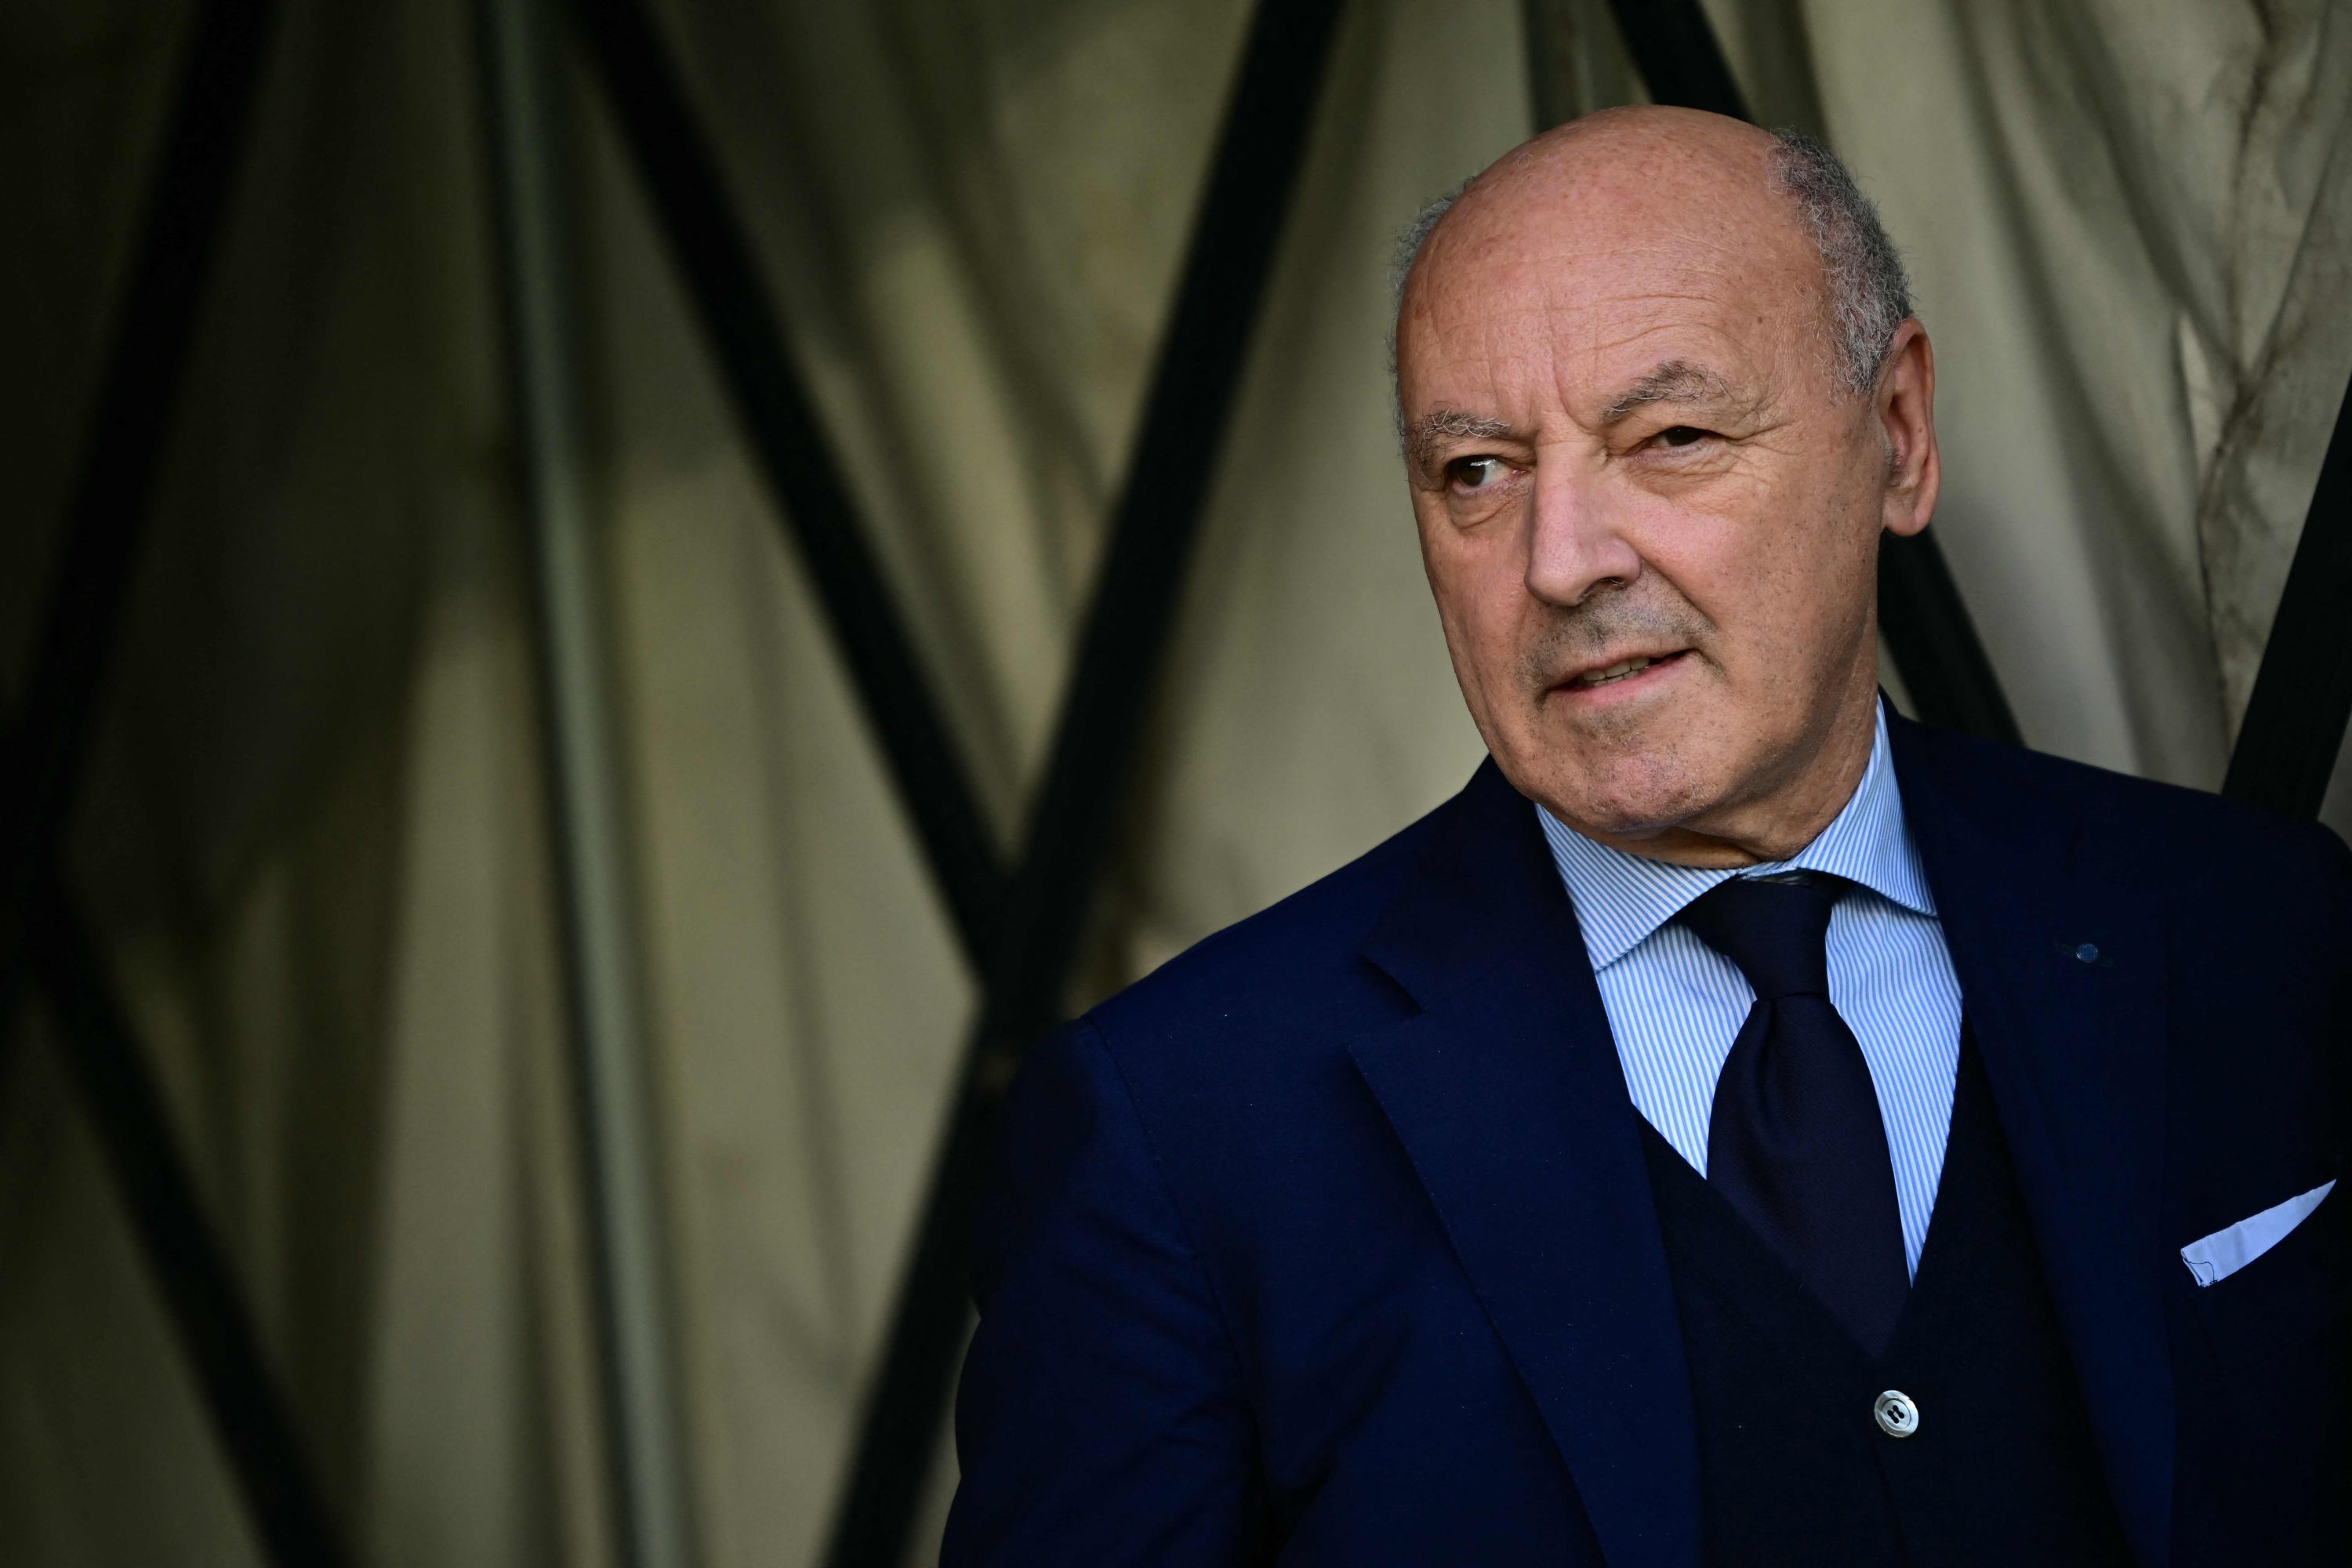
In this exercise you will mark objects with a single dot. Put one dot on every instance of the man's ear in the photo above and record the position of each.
(1905, 406)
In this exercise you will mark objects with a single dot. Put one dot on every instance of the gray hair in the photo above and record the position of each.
(1862, 272)
(1416, 234)
(1407, 251)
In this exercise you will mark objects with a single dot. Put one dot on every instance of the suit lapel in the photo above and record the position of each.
(2063, 978)
(1507, 1096)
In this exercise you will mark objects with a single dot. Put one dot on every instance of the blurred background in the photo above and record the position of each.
(492, 966)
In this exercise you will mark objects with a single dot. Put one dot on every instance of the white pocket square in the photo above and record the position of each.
(2225, 1252)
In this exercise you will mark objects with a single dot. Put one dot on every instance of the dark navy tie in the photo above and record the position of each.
(1795, 1141)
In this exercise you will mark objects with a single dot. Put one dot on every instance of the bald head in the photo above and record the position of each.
(1863, 292)
(1660, 395)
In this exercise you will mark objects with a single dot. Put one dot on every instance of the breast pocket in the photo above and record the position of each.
(2274, 1298)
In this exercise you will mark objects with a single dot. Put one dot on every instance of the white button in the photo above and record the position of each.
(1897, 1413)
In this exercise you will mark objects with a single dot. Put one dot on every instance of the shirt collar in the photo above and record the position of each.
(1620, 899)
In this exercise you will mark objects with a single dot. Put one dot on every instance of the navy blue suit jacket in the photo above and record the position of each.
(1331, 1241)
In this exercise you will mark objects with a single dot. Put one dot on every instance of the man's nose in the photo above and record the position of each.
(1574, 543)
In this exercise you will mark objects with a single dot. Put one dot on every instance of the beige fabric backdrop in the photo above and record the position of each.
(315, 836)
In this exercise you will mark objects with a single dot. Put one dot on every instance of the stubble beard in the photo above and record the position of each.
(1621, 770)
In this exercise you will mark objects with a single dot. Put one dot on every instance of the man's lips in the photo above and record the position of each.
(1625, 668)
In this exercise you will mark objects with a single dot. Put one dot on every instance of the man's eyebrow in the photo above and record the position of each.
(1441, 424)
(1676, 381)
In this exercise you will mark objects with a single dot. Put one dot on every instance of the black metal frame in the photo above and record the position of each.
(190, 1266)
(777, 415)
(187, 200)
(1926, 622)
(1673, 46)
(1115, 669)
(41, 931)
(1022, 934)
(2293, 726)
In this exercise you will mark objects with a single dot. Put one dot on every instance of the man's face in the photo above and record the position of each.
(1647, 508)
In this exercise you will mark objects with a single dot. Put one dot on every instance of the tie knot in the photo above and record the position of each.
(1775, 931)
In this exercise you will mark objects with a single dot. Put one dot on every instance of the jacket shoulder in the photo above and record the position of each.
(2142, 830)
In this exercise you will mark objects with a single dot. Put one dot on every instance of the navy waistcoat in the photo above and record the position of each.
(1794, 1465)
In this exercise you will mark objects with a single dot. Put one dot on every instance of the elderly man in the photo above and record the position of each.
(1741, 1126)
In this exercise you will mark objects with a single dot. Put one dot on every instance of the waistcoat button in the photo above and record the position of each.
(1897, 1413)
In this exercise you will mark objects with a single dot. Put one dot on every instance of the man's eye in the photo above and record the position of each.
(1477, 473)
(1680, 436)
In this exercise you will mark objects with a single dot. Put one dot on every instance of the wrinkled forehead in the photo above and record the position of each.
(1578, 287)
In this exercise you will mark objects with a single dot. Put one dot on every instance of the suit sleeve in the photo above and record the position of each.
(1100, 1417)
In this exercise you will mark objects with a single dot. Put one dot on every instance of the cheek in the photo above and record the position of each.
(1771, 562)
(1476, 576)
(1482, 601)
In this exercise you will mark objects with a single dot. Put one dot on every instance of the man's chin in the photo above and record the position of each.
(1629, 797)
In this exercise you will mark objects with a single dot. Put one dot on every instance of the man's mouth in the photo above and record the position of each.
(1625, 668)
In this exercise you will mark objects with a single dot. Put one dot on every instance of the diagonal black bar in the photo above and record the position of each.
(1945, 669)
(1675, 48)
(2294, 727)
(1926, 622)
(186, 205)
(190, 1269)
(1259, 153)
(778, 416)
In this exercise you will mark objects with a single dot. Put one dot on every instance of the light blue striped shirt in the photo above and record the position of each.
(1676, 1004)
